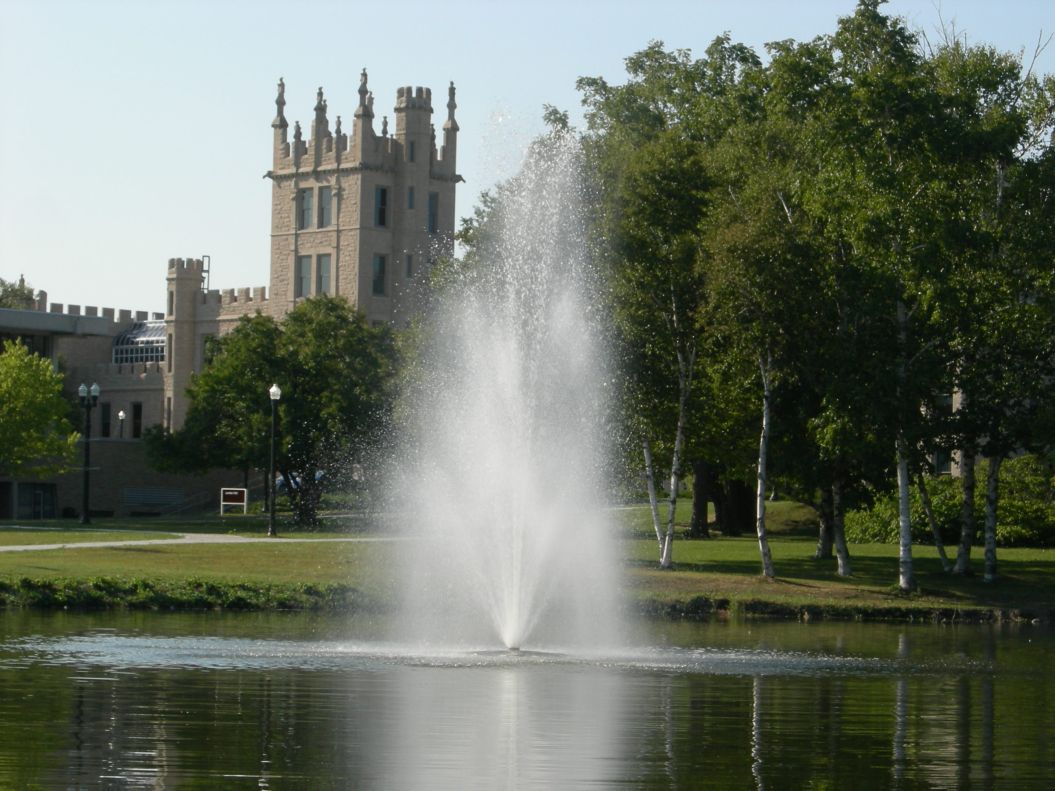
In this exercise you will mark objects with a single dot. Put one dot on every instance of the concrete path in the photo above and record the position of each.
(186, 538)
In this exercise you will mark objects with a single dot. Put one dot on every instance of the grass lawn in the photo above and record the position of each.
(725, 571)
(18, 535)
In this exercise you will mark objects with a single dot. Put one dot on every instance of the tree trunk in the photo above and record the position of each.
(685, 371)
(839, 529)
(928, 509)
(650, 478)
(666, 560)
(739, 508)
(701, 485)
(760, 495)
(825, 535)
(906, 579)
(720, 510)
(905, 576)
(967, 523)
(992, 494)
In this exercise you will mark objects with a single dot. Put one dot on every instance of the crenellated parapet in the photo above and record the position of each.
(364, 148)
(118, 317)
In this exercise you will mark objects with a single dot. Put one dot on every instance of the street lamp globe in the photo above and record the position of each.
(275, 392)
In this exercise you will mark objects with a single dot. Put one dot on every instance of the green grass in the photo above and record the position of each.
(18, 536)
(719, 572)
(730, 569)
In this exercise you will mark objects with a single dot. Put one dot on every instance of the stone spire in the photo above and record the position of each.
(452, 105)
(364, 108)
(280, 105)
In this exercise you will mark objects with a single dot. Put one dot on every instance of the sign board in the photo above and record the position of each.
(233, 498)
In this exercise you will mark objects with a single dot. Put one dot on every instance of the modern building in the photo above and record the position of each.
(362, 215)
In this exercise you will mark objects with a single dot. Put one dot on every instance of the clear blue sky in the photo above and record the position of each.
(135, 131)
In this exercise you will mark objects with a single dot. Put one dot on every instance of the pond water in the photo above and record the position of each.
(300, 701)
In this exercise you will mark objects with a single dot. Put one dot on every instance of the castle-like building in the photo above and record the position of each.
(362, 215)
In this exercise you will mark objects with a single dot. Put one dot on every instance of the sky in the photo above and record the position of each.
(134, 131)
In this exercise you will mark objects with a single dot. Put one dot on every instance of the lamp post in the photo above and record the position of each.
(121, 424)
(275, 393)
(89, 398)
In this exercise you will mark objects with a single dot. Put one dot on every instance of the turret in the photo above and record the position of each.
(363, 128)
(449, 152)
(279, 125)
(185, 279)
(321, 139)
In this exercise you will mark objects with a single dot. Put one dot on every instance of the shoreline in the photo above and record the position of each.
(199, 595)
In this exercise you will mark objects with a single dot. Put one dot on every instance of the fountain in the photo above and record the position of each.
(512, 542)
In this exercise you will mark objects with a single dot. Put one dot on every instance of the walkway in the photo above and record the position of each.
(187, 538)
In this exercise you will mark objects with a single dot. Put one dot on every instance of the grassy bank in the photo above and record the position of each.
(717, 576)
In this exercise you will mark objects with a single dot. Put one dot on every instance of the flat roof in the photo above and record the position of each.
(36, 322)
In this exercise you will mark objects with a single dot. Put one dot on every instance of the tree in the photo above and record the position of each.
(336, 374)
(36, 436)
(648, 142)
(1002, 313)
(16, 295)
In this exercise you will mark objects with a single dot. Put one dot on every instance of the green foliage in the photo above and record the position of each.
(1026, 510)
(336, 374)
(108, 593)
(36, 437)
(14, 295)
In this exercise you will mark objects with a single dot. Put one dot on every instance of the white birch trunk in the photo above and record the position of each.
(992, 494)
(839, 530)
(650, 478)
(967, 528)
(760, 495)
(928, 509)
(685, 371)
(905, 576)
(666, 559)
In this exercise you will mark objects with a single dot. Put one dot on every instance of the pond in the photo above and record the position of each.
(302, 701)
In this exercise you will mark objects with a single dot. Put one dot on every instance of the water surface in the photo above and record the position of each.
(299, 701)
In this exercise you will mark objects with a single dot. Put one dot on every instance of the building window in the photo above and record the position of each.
(379, 275)
(207, 349)
(172, 301)
(302, 277)
(410, 266)
(410, 151)
(168, 412)
(381, 207)
(434, 212)
(143, 342)
(303, 209)
(325, 207)
(168, 352)
(322, 274)
(410, 197)
(104, 419)
(137, 419)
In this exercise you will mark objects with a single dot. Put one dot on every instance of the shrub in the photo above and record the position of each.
(1025, 514)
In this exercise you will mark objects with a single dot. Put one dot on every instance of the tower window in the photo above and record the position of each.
(104, 419)
(410, 197)
(325, 207)
(379, 275)
(302, 277)
(322, 274)
(381, 207)
(304, 203)
(410, 266)
(433, 225)
(410, 151)
(137, 419)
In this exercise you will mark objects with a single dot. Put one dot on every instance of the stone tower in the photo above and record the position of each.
(363, 215)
